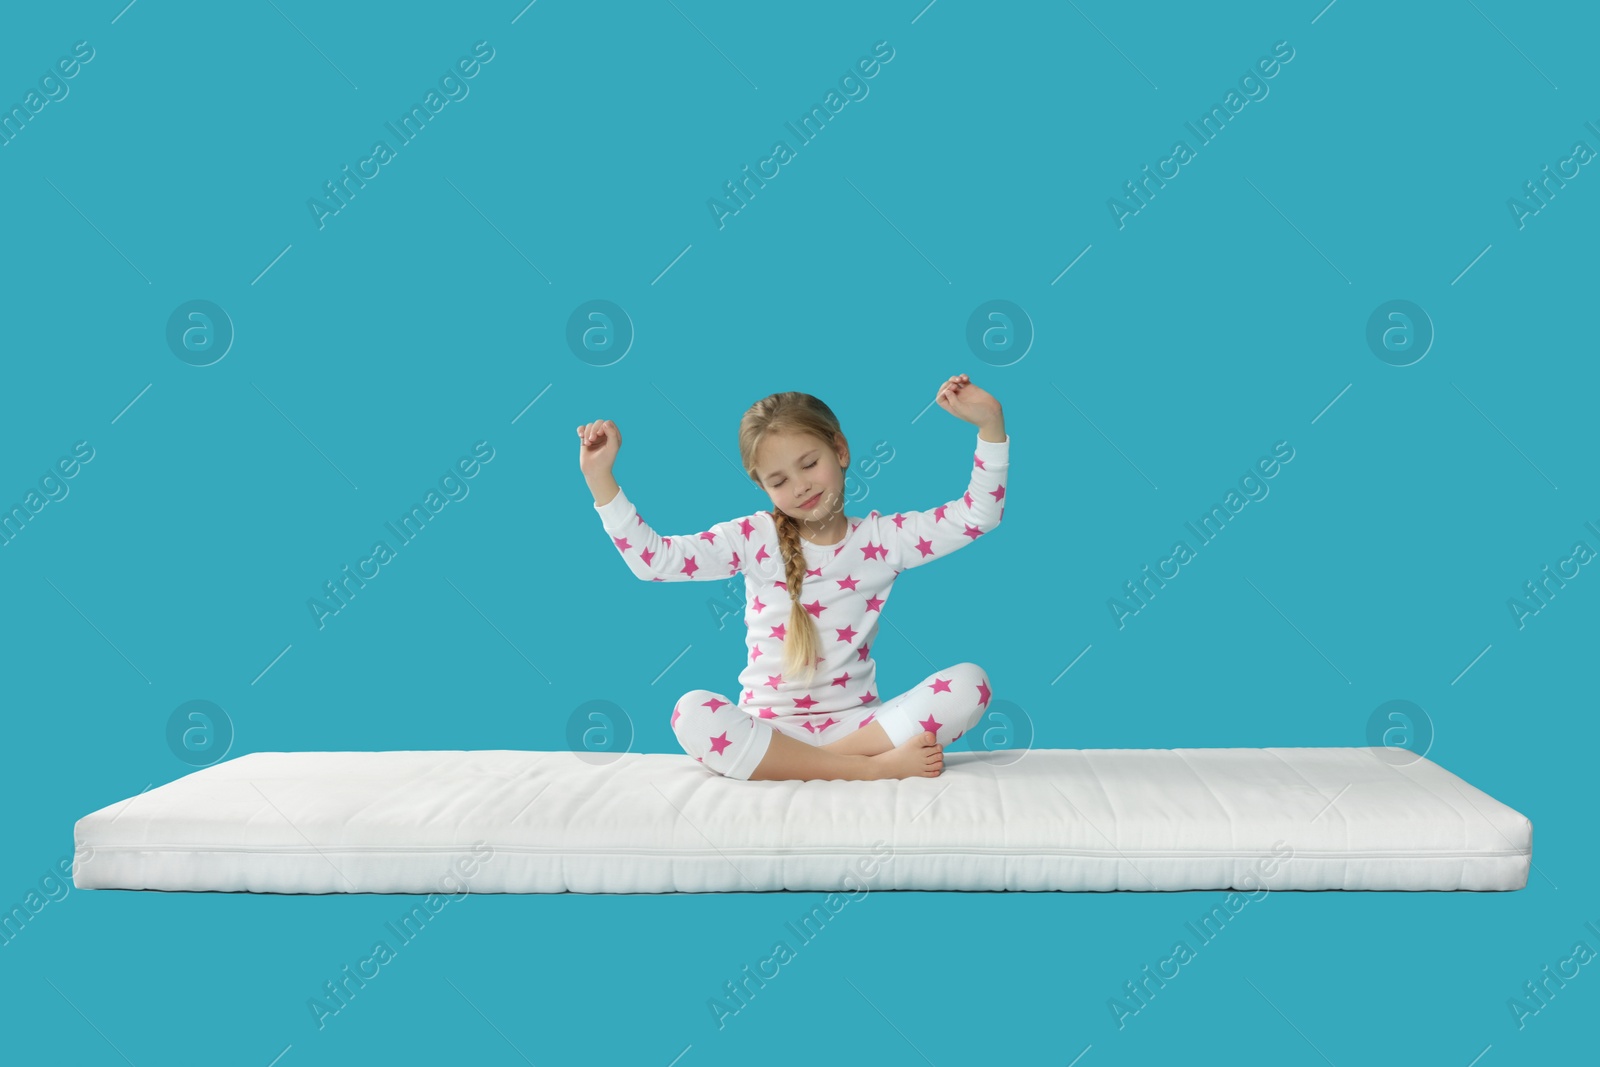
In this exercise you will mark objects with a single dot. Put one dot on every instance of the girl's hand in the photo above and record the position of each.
(966, 401)
(598, 443)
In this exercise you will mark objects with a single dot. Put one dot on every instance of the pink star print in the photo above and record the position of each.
(940, 686)
(709, 536)
(999, 492)
(938, 512)
(874, 552)
(869, 698)
(925, 546)
(773, 681)
(842, 679)
(847, 634)
(720, 742)
(849, 583)
(714, 704)
(815, 608)
(676, 715)
(768, 713)
(756, 603)
(745, 527)
(966, 498)
(814, 574)
(808, 726)
(973, 532)
(805, 702)
(861, 653)
(864, 722)
(646, 555)
(898, 519)
(622, 544)
(931, 725)
(755, 652)
(761, 553)
(829, 721)
(778, 631)
(984, 689)
(690, 566)
(978, 462)
(874, 603)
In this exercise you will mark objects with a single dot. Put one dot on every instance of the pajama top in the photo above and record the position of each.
(845, 588)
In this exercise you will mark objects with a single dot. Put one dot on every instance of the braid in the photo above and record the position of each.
(800, 640)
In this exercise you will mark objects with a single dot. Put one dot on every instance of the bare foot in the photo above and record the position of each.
(920, 757)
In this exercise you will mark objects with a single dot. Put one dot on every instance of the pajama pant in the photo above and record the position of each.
(731, 741)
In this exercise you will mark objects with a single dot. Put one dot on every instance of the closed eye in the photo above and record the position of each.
(813, 463)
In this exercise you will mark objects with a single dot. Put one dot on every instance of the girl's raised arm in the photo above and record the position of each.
(711, 555)
(912, 538)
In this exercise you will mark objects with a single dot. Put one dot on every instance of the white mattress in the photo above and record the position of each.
(1055, 819)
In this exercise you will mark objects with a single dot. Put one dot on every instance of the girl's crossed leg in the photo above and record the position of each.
(946, 703)
(903, 738)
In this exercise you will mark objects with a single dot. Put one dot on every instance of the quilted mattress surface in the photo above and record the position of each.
(1055, 819)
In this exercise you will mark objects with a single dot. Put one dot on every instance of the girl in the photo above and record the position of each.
(816, 581)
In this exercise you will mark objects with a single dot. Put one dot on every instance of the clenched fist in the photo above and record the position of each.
(598, 443)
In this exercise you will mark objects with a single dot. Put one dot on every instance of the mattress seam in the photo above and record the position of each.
(823, 850)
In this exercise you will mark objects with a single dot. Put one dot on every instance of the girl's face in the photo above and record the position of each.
(804, 476)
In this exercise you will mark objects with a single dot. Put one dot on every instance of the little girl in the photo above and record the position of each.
(816, 581)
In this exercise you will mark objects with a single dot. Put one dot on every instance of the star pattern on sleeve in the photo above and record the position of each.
(918, 537)
(673, 558)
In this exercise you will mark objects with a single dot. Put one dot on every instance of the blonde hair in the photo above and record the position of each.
(790, 413)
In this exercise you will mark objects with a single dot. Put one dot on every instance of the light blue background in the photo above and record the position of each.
(430, 313)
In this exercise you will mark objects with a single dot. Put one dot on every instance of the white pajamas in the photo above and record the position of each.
(845, 589)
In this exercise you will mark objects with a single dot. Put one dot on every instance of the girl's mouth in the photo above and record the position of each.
(813, 502)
